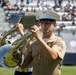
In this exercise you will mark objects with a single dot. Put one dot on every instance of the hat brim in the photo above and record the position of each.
(47, 14)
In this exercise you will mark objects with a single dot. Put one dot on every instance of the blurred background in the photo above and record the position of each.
(66, 25)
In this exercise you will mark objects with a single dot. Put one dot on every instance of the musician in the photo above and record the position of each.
(47, 51)
(7, 47)
(20, 71)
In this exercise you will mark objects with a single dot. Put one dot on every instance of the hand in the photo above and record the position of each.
(35, 31)
(18, 57)
(20, 27)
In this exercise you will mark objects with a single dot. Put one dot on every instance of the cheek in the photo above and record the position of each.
(51, 28)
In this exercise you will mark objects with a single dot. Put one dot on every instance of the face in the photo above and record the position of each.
(47, 27)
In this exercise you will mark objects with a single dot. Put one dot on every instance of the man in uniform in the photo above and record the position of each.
(47, 51)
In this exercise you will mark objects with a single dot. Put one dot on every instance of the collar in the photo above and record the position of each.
(47, 40)
(50, 39)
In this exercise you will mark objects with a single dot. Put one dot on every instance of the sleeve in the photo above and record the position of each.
(60, 48)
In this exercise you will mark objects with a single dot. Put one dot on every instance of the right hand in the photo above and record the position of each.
(20, 27)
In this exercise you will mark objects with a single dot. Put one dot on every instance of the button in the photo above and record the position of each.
(39, 63)
(39, 57)
(38, 71)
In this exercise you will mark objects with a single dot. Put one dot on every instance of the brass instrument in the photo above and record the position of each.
(9, 59)
(2, 42)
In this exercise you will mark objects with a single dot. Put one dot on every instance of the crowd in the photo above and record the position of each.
(22, 9)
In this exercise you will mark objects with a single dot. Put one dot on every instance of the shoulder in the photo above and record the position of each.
(57, 39)
(60, 40)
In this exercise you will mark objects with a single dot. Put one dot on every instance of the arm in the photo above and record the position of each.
(28, 56)
(48, 51)
(27, 61)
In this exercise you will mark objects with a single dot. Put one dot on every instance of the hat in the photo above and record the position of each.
(47, 15)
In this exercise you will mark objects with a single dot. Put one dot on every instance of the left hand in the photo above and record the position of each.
(18, 57)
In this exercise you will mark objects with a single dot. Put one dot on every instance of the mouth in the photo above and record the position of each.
(45, 29)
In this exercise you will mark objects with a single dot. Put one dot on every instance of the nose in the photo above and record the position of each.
(45, 25)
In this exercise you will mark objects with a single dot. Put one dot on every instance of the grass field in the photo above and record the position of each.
(66, 70)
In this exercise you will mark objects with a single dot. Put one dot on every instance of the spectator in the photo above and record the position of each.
(28, 2)
(70, 2)
(10, 6)
(57, 3)
(69, 17)
(8, 15)
(38, 3)
(4, 3)
(22, 11)
(64, 17)
(18, 4)
(22, 2)
(74, 13)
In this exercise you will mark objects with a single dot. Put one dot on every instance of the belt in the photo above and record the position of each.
(21, 70)
(29, 69)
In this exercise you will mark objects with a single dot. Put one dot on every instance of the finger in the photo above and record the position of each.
(32, 28)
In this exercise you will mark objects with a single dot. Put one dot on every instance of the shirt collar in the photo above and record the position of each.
(49, 39)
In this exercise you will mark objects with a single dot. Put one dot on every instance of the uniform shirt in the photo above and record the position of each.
(43, 65)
